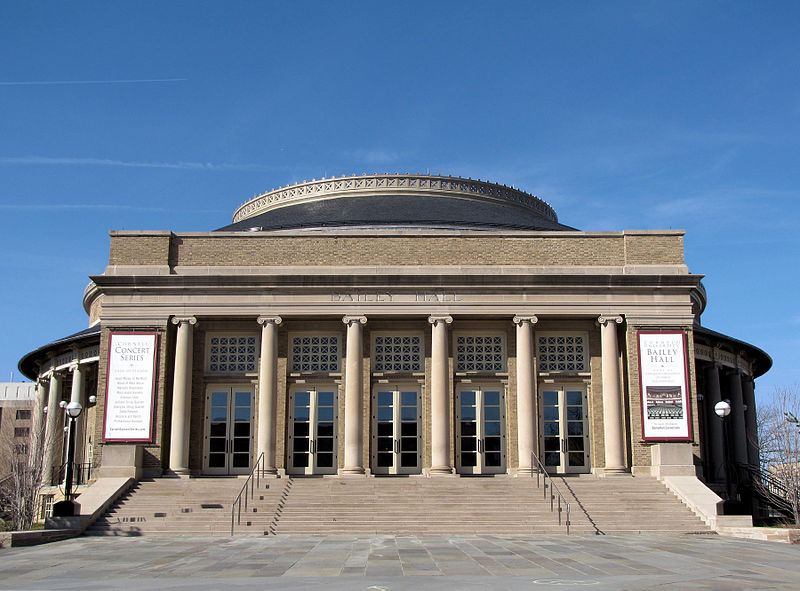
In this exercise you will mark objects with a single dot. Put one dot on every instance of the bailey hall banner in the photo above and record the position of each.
(664, 383)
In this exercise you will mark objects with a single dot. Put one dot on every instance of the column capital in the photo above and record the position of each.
(521, 319)
(348, 320)
(74, 366)
(434, 318)
(182, 319)
(270, 320)
(605, 319)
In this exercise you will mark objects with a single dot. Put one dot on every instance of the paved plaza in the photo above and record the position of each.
(388, 563)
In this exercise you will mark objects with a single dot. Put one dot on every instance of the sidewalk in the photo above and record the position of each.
(379, 563)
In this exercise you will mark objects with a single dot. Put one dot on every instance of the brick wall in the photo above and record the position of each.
(612, 249)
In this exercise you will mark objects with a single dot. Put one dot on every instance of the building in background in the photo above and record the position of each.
(402, 324)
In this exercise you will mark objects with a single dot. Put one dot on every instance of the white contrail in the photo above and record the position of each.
(136, 164)
(60, 82)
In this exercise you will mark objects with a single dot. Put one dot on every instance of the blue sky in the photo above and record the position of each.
(168, 115)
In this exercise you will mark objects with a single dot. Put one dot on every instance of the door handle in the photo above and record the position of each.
(396, 446)
(480, 446)
(313, 446)
(563, 445)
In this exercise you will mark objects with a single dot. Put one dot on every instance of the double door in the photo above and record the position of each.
(480, 431)
(396, 422)
(313, 430)
(228, 445)
(564, 428)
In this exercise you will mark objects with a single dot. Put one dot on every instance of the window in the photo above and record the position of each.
(480, 353)
(47, 507)
(22, 431)
(23, 414)
(562, 353)
(397, 353)
(315, 353)
(229, 354)
(21, 449)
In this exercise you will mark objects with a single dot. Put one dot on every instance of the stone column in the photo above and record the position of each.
(716, 433)
(77, 396)
(181, 397)
(440, 389)
(268, 390)
(613, 427)
(353, 393)
(751, 426)
(39, 417)
(737, 430)
(52, 433)
(526, 407)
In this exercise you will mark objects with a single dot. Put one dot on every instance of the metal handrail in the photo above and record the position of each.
(542, 473)
(236, 506)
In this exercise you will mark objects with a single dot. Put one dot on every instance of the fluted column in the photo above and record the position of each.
(716, 433)
(77, 396)
(738, 429)
(613, 428)
(751, 425)
(52, 433)
(181, 397)
(440, 388)
(268, 390)
(353, 393)
(526, 408)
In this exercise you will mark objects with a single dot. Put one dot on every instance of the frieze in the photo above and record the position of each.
(703, 352)
(381, 183)
(379, 296)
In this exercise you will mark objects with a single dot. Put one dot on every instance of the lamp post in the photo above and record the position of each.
(722, 410)
(68, 507)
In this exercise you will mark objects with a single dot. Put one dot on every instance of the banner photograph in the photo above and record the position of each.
(663, 376)
(131, 384)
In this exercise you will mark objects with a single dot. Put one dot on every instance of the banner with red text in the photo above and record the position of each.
(664, 384)
(130, 386)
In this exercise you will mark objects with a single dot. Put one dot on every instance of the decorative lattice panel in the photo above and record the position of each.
(562, 353)
(481, 353)
(315, 353)
(397, 353)
(232, 354)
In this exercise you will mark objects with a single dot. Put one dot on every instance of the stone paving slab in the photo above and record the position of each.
(389, 563)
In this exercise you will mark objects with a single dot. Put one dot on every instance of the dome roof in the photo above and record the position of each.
(395, 200)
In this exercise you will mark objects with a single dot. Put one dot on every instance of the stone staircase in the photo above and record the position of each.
(187, 506)
(398, 505)
(621, 505)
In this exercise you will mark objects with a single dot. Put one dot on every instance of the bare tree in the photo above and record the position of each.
(20, 489)
(779, 442)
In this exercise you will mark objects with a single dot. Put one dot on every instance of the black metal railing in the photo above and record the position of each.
(253, 481)
(767, 488)
(81, 474)
(556, 498)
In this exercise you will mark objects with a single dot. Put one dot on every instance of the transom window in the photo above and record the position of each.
(397, 353)
(562, 353)
(480, 353)
(229, 354)
(315, 353)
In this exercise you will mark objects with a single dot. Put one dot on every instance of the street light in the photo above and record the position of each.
(68, 507)
(723, 409)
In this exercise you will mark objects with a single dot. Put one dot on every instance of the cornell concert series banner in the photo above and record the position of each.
(664, 384)
(130, 386)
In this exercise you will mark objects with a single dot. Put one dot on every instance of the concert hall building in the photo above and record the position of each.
(399, 324)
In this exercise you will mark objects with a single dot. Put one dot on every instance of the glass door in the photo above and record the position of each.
(480, 434)
(396, 420)
(228, 445)
(313, 430)
(564, 428)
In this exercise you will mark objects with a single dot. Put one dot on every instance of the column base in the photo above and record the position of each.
(526, 472)
(352, 472)
(614, 471)
(177, 473)
(441, 471)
